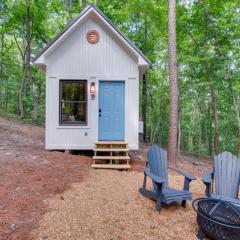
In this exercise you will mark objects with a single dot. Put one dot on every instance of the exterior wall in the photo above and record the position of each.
(75, 58)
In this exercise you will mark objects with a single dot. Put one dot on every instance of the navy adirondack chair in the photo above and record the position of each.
(223, 181)
(157, 169)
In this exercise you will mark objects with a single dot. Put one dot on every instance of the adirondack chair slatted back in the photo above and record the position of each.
(227, 174)
(157, 160)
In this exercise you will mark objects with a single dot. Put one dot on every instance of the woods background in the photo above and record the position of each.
(208, 52)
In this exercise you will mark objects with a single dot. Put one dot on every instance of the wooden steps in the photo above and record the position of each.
(110, 150)
(111, 155)
(111, 166)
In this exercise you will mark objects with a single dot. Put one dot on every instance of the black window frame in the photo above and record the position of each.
(61, 82)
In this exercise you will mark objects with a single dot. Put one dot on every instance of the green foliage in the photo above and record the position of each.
(207, 32)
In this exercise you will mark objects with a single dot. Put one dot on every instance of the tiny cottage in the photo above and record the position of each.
(92, 84)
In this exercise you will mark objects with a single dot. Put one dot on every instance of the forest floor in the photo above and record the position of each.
(55, 195)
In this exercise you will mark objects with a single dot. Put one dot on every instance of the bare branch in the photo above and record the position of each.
(18, 46)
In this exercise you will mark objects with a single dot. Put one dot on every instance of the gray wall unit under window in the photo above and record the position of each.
(73, 102)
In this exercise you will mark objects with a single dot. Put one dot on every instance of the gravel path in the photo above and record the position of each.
(107, 205)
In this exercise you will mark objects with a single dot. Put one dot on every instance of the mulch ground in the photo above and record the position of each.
(29, 175)
(106, 205)
(33, 182)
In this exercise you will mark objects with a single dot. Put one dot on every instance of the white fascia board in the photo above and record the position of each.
(40, 60)
(142, 61)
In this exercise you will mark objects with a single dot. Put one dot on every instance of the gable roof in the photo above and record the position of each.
(39, 58)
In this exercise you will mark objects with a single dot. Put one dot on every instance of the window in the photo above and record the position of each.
(73, 102)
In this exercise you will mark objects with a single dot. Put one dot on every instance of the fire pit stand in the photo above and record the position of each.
(217, 219)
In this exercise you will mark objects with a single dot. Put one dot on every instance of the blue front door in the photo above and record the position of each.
(111, 110)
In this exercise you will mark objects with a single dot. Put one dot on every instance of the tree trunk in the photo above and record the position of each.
(214, 109)
(83, 3)
(38, 96)
(24, 75)
(179, 135)
(1, 72)
(236, 103)
(69, 9)
(144, 106)
(216, 125)
(158, 125)
(6, 94)
(238, 138)
(151, 116)
(28, 62)
(34, 98)
(173, 80)
(20, 94)
(144, 86)
(212, 86)
(209, 132)
(190, 140)
(160, 121)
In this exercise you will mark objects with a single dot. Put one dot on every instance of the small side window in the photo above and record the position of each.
(73, 102)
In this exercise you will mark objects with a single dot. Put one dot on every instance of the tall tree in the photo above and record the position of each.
(212, 83)
(173, 81)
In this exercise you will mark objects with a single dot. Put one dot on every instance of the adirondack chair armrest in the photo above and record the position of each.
(189, 176)
(154, 177)
(207, 177)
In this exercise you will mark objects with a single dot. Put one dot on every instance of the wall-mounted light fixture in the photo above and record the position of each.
(92, 90)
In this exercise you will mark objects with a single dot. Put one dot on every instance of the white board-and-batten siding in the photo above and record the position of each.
(77, 59)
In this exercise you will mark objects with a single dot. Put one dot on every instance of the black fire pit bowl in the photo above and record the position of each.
(217, 219)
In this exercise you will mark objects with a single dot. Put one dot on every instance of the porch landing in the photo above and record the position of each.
(111, 155)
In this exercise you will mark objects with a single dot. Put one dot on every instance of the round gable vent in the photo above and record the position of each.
(92, 36)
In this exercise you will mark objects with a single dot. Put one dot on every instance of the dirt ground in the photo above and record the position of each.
(55, 195)
(29, 175)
